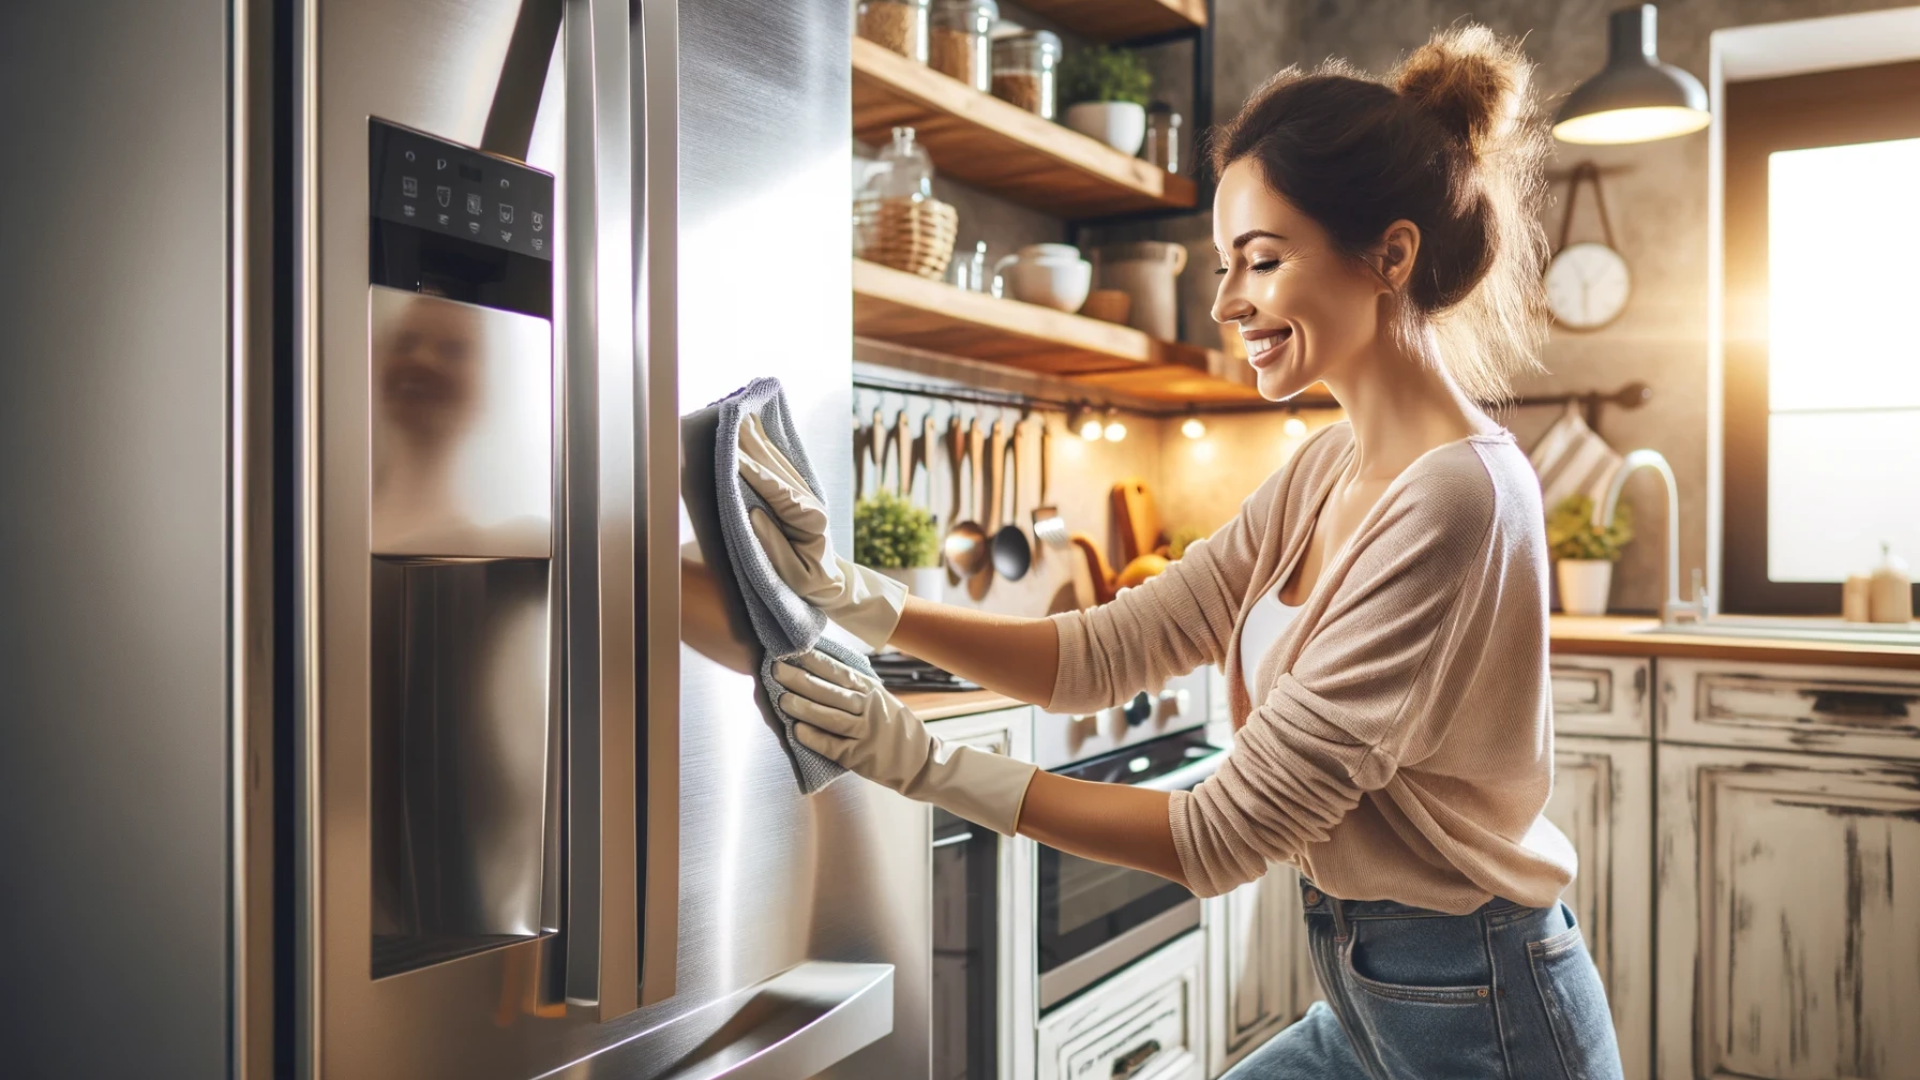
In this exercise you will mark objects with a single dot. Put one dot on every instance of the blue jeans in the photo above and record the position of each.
(1502, 993)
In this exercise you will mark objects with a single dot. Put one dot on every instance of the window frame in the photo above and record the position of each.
(1757, 118)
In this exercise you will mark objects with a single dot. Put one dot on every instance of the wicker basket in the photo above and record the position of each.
(915, 235)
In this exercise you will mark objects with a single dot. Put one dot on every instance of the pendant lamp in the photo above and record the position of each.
(1635, 98)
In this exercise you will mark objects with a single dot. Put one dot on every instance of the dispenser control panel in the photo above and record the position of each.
(455, 191)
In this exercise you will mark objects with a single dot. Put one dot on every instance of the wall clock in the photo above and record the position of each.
(1587, 283)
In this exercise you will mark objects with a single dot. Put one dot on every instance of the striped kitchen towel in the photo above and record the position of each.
(1572, 459)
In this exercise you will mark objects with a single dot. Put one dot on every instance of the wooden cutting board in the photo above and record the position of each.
(1136, 519)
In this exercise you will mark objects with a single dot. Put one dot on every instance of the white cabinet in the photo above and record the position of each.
(1603, 800)
(1821, 709)
(1602, 695)
(1789, 915)
(1260, 973)
(1146, 1023)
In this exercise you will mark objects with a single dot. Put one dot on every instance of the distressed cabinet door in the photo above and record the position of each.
(1260, 957)
(1789, 906)
(1603, 800)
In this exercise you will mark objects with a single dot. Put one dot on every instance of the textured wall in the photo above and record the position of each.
(1657, 201)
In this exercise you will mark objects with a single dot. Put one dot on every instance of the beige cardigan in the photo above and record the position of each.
(1404, 747)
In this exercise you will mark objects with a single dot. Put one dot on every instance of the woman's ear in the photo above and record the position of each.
(1396, 252)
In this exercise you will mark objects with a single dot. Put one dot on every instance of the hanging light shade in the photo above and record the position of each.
(1635, 98)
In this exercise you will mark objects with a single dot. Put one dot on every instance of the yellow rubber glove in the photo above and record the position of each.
(850, 718)
(865, 602)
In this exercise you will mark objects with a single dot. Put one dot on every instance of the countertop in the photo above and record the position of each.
(1621, 635)
(946, 704)
(1607, 635)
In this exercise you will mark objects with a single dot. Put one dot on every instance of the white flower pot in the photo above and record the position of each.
(925, 582)
(1584, 584)
(1120, 124)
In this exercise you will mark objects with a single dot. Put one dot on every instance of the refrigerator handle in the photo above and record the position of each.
(654, 104)
(602, 535)
(799, 1023)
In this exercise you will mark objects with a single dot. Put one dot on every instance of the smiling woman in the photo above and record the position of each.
(1378, 605)
(1426, 190)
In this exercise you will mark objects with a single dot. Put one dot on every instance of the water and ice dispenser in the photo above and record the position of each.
(464, 741)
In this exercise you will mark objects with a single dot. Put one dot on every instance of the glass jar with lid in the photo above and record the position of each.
(958, 44)
(1023, 70)
(900, 25)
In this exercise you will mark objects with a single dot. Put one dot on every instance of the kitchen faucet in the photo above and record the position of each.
(1675, 610)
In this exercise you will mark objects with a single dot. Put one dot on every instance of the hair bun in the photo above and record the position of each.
(1470, 79)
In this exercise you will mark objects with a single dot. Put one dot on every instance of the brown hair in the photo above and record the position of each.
(1448, 141)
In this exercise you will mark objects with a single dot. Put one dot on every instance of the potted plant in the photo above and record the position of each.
(1106, 90)
(1585, 553)
(899, 539)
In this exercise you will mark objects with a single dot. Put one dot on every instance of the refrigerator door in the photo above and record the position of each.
(546, 829)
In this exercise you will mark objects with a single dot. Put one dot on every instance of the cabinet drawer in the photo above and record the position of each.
(1601, 695)
(1834, 710)
(1146, 1023)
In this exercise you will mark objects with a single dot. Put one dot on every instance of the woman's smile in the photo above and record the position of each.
(1266, 347)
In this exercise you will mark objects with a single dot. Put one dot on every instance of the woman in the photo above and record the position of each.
(1379, 604)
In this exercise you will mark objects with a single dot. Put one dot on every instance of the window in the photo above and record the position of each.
(1822, 333)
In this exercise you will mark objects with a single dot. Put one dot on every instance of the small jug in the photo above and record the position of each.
(1052, 275)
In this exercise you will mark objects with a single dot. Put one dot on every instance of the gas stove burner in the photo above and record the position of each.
(898, 671)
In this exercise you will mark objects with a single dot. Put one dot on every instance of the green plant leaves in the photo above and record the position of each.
(890, 533)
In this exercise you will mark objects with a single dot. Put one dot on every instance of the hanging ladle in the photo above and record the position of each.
(1012, 554)
(965, 545)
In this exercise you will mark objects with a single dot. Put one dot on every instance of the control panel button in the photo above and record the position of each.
(473, 227)
(506, 214)
(506, 237)
(539, 220)
(539, 244)
(444, 194)
(409, 186)
(473, 204)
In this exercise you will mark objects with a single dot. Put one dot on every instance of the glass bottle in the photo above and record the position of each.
(1163, 137)
(1023, 70)
(900, 25)
(958, 43)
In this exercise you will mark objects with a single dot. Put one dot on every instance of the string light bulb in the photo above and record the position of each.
(1294, 427)
(1193, 427)
(1085, 422)
(1115, 429)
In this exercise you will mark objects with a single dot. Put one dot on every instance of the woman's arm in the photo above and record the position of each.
(1007, 654)
(1109, 823)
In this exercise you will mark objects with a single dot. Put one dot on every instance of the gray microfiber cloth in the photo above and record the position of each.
(785, 624)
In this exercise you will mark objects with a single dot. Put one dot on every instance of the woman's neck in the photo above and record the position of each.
(1401, 406)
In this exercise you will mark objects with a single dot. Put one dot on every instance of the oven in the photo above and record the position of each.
(1093, 920)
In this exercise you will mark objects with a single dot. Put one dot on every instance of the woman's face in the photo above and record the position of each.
(1304, 309)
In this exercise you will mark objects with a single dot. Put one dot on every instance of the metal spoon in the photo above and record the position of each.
(1048, 527)
(965, 545)
(1012, 554)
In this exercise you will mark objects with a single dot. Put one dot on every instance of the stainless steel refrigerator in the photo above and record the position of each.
(372, 706)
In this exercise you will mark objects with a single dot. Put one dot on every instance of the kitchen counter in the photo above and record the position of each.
(946, 704)
(1621, 635)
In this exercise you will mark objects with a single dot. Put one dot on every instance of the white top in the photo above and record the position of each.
(1265, 623)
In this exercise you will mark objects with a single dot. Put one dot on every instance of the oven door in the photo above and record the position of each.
(1094, 918)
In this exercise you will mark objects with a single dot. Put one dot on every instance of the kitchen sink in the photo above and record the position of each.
(1790, 628)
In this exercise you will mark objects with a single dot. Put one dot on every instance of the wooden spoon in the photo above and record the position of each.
(982, 579)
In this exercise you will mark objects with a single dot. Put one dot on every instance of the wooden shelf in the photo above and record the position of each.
(980, 140)
(1122, 20)
(904, 309)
